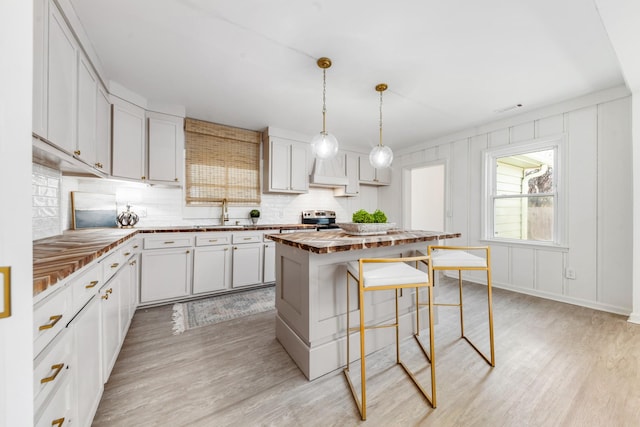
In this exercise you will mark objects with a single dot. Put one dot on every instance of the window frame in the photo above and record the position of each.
(557, 143)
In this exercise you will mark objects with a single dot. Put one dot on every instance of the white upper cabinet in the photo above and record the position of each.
(87, 112)
(40, 65)
(166, 147)
(285, 165)
(128, 141)
(61, 84)
(103, 131)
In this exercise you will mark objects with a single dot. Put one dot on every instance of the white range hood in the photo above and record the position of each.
(329, 172)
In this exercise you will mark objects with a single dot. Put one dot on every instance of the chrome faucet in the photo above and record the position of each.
(224, 216)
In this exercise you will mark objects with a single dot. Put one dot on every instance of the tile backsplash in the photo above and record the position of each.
(46, 213)
(163, 206)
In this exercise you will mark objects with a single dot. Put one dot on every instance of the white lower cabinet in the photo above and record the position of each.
(110, 321)
(87, 359)
(58, 411)
(166, 267)
(247, 259)
(211, 269)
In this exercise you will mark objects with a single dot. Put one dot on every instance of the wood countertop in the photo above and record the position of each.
(325, 242)
(56, 258)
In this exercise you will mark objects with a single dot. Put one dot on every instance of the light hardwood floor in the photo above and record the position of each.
(556, 365)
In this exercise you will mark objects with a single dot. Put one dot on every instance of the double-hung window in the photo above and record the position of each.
(524, 195)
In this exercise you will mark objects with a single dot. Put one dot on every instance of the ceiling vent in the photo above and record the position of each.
(509, 108)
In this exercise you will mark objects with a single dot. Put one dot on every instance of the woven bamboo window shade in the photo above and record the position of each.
(222, 162)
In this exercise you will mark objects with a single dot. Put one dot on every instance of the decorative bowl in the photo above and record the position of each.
(366, 229)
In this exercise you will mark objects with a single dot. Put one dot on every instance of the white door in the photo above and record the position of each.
(427, 197)
(16, 336)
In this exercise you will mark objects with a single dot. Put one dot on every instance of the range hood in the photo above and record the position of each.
(329, 172)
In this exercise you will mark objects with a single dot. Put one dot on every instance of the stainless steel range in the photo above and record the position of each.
(324, 220)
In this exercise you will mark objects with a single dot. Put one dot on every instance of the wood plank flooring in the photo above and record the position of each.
(556, 365)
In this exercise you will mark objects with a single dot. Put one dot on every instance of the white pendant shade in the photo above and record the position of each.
(381, 156)
(324, 145)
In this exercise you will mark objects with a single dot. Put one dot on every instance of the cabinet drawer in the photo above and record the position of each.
(86, 286)
(247, 238)
(58, 411)
(211, 239)
(50, 316)
(169, 241)
(110, 265)
(51, 367)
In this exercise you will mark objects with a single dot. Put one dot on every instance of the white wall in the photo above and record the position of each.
(16, 331)
(599, 218)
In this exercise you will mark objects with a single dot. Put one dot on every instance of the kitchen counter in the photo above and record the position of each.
(326, 242)
(55, 258)
(311, 303)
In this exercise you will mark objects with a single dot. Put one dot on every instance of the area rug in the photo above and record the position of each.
(203, 312)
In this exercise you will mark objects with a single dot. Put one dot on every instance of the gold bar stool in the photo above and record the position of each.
(378, 274)
(459, 258)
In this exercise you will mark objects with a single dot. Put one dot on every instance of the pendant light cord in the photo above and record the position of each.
(380, 143)
(324, 100)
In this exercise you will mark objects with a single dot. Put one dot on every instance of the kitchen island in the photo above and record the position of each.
(311, 293)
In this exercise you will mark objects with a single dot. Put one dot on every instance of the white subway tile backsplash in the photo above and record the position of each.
(46, 184)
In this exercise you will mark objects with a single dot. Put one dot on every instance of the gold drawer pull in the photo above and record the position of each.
(57, 368)
(213, 240)
(135, 246)
(91, 284)
(127, 253)
(76, 152)
(54, 319)
(105, 296)
(58, 422)
(246, 238)
(133, 262)
(114, 265)
(170, 242)
(109, 291)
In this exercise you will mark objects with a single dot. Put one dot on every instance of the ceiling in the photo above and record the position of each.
(450, 65)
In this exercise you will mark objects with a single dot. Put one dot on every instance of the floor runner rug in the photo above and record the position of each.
(207, 311)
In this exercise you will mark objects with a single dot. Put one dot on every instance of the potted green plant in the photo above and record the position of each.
(365, 223)
(254, 214)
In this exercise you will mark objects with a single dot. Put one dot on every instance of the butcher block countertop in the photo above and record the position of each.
(326, 242)
(56, 258)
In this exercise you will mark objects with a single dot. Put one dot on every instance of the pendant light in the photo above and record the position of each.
(324, 145)
(381, 156)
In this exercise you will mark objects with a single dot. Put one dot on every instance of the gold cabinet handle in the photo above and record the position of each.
(114, 265)
(58, 422)
(235, 247)
(91, 284)
(169, 242)
(98, 165)
(133, 262)
(57, 368)
(188, 252)
(127, 253)
(76, 152)
(53, 320)
(135, 246)
(226, 249)
(143, 178)
(105, 296)
(246, 238)
(175, 179)
(213, 240)
(109, 291)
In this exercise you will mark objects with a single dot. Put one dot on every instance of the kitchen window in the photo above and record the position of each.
(525, 197)
(221, 162)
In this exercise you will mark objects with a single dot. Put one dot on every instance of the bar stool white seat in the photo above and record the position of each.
(377, 274)
(462, 258)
